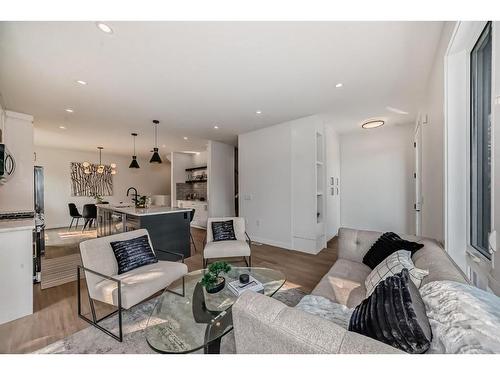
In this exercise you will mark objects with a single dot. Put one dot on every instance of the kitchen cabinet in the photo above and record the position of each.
(200, 213)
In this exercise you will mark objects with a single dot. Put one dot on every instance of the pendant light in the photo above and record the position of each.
(156, 156)
(100, 167)
(134, 163)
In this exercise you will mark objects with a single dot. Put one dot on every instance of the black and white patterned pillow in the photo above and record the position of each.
(392, 265)
(223, 230)
(133, 253)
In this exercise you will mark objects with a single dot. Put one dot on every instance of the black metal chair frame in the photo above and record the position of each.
(95, 321)
(248, 260)
(74, 217)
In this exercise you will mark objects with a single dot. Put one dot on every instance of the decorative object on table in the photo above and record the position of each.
(387, 244)
(244, 278)
(394, 314)
(98, 198)
(392, 265)
(85, 184)
(212, 281)
(143, 202)
(156, 156)
(134, 163)
(238, 287)
(239, 247)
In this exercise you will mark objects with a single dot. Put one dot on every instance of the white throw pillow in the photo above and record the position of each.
(392, 265)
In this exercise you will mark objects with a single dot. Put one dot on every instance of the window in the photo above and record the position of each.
(480, 143)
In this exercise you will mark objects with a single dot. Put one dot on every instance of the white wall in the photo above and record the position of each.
(149, 179)
(377, 179)
(220, 179)
(432, 170)
(265, 195)
(17, 193)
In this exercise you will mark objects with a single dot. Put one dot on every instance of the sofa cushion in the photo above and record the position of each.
(392, 265)
(226, 249)
(140, 283)
(387, 244)
(344, 283)
(432, 257)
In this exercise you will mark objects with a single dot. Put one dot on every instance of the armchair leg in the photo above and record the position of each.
(95, 322)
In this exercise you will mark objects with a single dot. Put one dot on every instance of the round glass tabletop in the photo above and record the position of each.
(184, 324)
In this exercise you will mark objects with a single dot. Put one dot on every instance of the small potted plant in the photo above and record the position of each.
(212, 281)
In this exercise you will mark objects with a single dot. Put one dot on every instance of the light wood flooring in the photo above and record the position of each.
(55, 309)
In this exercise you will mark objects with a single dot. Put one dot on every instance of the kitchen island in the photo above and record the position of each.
(168, 227)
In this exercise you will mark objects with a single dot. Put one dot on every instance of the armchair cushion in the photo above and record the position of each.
(139, 283)
(133, 253)
(238, 225)
(223, 230)
(226, 249)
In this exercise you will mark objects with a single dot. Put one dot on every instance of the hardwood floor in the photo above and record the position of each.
(55, 309)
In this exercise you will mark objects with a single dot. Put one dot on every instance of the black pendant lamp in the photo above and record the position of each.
(156, 156)
(134, 163)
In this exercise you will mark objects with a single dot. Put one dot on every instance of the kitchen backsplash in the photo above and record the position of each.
(185, 191)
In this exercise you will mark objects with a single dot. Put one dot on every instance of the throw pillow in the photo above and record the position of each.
(133, 253)
(464, 319)
(395, 315)
(386, 244)
(392, 265)
(223, 230)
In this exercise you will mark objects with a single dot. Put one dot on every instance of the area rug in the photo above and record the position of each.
(92, 341)
(58, 271)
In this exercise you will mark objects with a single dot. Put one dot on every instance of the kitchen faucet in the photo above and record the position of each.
(136, 194)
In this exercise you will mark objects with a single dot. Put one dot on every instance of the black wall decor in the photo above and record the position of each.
(90, 184)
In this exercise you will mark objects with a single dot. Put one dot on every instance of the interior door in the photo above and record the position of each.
(417, 176)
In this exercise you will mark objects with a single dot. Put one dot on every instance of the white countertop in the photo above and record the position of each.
(153, 210)
(19, 224)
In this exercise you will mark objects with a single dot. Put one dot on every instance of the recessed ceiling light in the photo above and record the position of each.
(185, 138)
(62, 127)
(216, 127)
(104, 28)
(372, 124)
(339, 85)
(70, 110)
(396, 110)
(83, 83)
(259, 112)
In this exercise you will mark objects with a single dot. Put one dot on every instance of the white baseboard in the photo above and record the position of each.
(267, 241)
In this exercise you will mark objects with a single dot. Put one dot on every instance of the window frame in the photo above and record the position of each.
(473, 144)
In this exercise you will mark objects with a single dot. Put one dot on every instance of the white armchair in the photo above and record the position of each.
(127, 289)
(241, 247)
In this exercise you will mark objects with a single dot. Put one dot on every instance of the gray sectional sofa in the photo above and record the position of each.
(265, 325)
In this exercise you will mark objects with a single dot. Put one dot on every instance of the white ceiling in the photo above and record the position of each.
(194, 75)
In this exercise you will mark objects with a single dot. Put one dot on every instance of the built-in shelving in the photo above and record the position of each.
(195, 181)
(196, 168)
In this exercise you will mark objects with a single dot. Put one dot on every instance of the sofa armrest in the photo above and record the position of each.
(263, 325)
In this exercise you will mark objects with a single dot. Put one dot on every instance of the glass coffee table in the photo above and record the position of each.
(184, 324)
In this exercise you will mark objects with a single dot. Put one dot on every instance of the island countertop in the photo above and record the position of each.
(133, 211)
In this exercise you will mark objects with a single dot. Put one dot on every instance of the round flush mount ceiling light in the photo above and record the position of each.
(104, 28)
(338, 85)
(372, 124)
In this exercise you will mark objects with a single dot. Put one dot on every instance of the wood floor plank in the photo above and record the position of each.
(55, 309)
